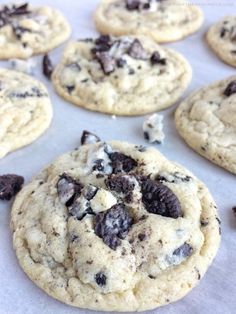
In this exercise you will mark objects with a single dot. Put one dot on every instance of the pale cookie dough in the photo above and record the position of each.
(163, 21)
(27, 31)
(221, 37)
(122, 76)
(207, 122)
(115, 227)
(25, 110)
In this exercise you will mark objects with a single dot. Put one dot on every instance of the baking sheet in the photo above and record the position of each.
(217, 290)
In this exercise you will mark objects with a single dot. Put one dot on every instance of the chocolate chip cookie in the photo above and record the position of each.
(162, 20)
(221, 37)
(27, 30)
(123, 76)
(207, 122)
(115, 227)
(25, 110)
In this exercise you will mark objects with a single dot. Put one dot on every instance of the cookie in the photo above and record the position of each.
(115, 227)
(27, 31)
(207, 122)
(221, 37)
(122, 76)
(25, 110)
(163, 21)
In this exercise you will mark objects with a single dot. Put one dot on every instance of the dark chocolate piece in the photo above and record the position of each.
(113, 225)
(47, 66)
(89, 138)
(159, 199)
(10, 185)
(230, 89)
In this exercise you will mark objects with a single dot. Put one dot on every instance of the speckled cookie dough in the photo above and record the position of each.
(162, 20)
(122, 76)
(207, 122)
(27, 31)
(221, 37)
(25, 110)
(115, 227)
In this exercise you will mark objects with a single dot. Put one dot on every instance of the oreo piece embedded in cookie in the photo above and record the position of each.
(106, 61)
(156, 59)
(10, 185)
(159, 199)
(120, 184)
(137, 51)
(113, 225)
(122, 163)
(230, 89)
(67, 188)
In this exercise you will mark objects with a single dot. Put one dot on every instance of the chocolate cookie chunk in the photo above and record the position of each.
(67, 189)
(159, 199)
(10, 185)
(230, 89)
(112, 225)
(47, 66)
(122, 163)
(89, 138)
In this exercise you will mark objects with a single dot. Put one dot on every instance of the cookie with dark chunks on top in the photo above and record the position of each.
(121, 75)
(26, 30)
(10, 185)
(221, 37)
(110, 217)
(161, 20)
(206, 120)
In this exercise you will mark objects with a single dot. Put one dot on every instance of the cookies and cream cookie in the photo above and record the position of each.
(25, 110)
(162, 20)
(27, 30)
(221, 37)
(122, 76)
(115, 227)
(207, 122)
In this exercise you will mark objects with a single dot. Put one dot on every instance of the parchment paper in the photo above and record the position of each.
(216, 292)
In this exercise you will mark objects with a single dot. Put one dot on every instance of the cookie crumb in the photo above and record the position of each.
(153, 129)
(24, 66)
(89, 138)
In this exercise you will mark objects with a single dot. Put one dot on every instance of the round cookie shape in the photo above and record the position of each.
(207, 122)
(163, 21)
(25, 110)
(115, 227)
(221, 37)
(122, 76)
(27, 31)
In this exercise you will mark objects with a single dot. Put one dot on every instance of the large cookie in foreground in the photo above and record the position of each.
(123, 76)
(221, 37)
(25, 110)
(207, 122)
(162, 20)
(115, 227)
(27, 30)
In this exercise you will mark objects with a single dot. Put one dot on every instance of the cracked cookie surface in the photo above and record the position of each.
(122, 76)
(207, 122)
(25, 110)
(221, 37)
(114, 227)
(27, 31)
(163, 21)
